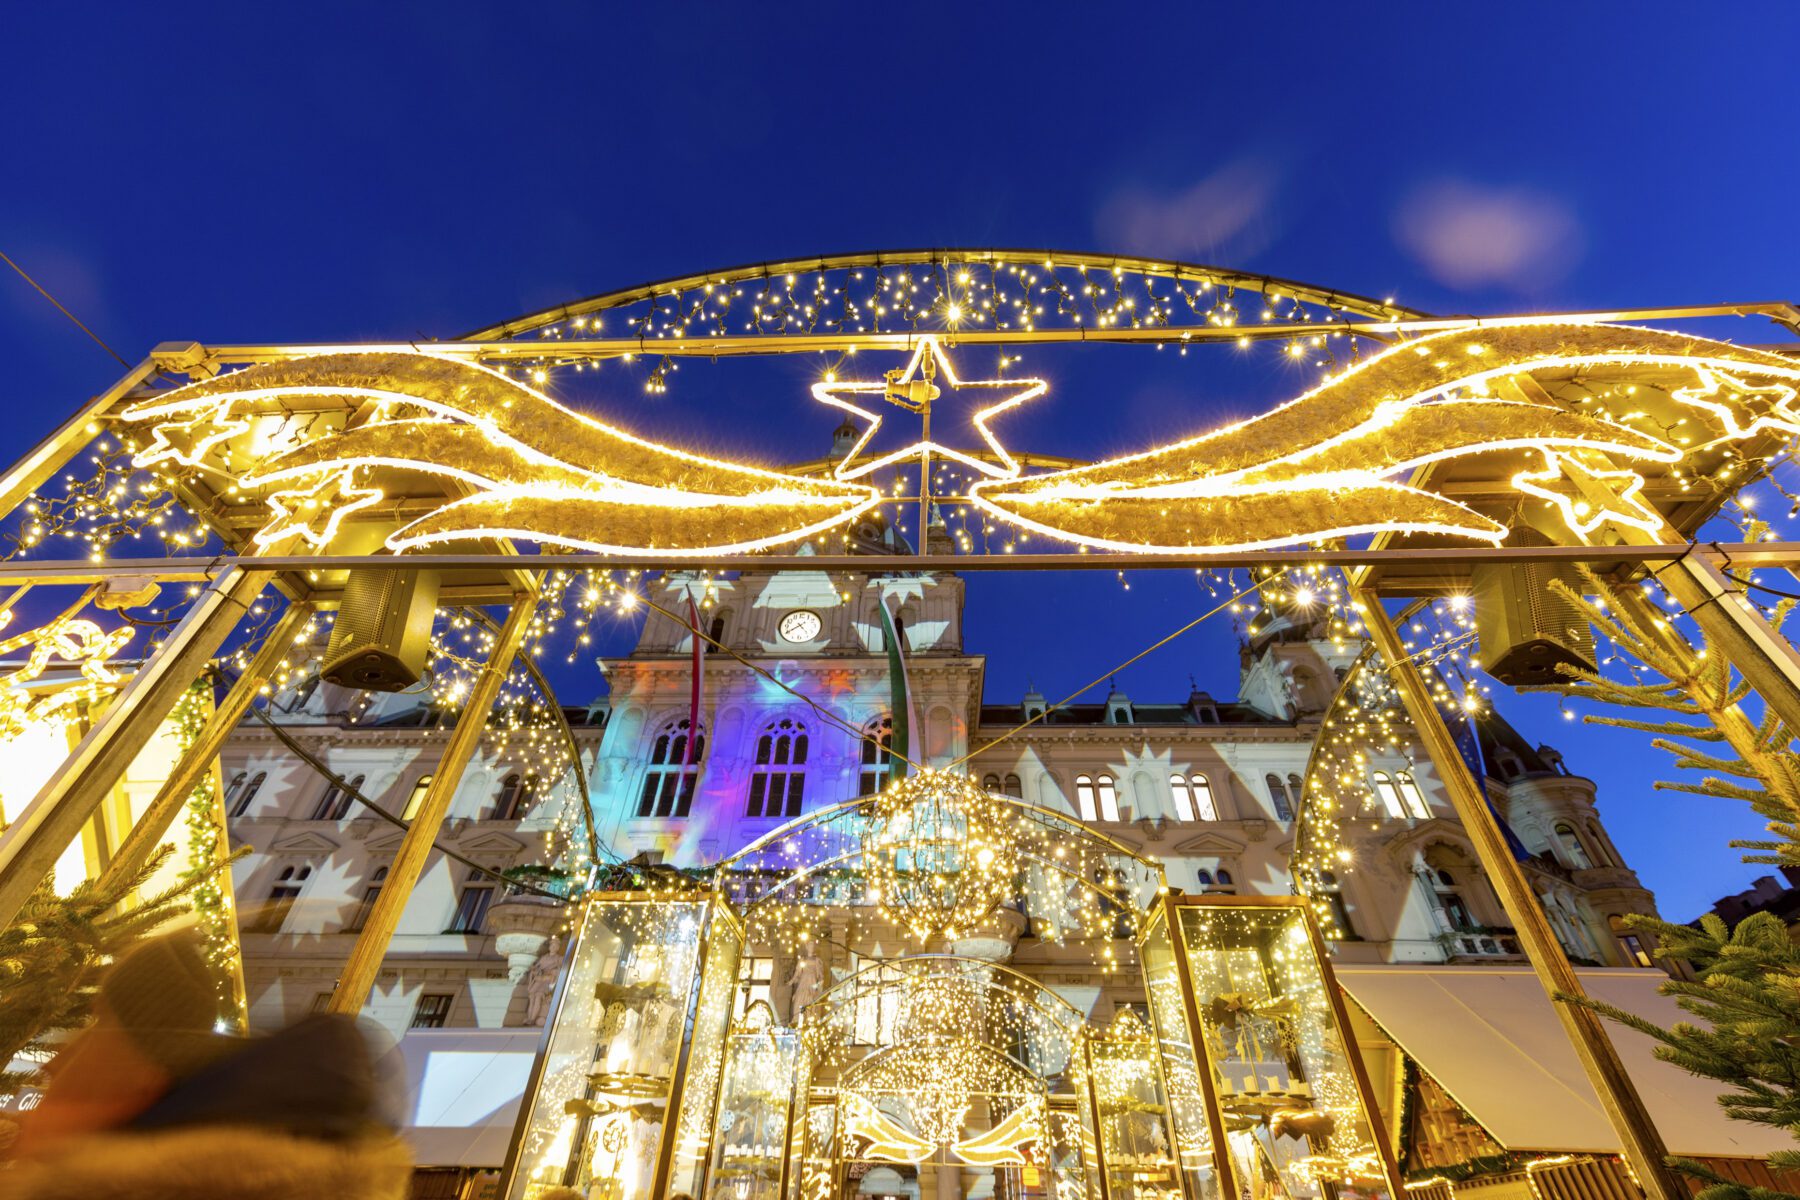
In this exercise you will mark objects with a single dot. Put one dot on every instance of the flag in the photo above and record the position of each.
(1468, 744)
(687, 751)
(900, 745)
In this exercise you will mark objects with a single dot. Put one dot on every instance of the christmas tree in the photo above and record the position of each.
(50, 957)
(1747, 985)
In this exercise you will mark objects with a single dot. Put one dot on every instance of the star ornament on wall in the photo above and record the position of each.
(914, 387)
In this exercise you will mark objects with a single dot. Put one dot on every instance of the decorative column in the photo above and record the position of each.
(1642, 1142)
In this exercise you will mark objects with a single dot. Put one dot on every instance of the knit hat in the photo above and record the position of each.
(163, 994)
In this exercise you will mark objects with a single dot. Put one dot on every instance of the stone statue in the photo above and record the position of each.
(807, 982)
(540, 982)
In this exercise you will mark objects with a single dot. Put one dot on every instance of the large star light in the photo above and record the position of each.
(914, 387)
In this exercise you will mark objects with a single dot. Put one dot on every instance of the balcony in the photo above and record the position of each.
(1480, 945)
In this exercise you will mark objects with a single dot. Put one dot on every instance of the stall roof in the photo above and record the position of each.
(1489, 1036)
(464, 1088)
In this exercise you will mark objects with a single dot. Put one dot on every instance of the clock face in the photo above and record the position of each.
(801, 626)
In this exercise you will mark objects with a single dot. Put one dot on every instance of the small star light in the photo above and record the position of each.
(938, 852)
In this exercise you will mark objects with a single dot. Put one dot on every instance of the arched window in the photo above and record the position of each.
(416, 799)
(716, 632)
(1278, 796)
(877, 754)
(1412, 800)
(1193, 798)
(1389, 795)
(1204, 876)
(242, 804)
(1603, 857)
(1224, 880)
(668, 785)
(281, 898)
(1097, 797)
(1636, 954)
(1296, 789)
(1340, 912)
(335, 804)
(1450, 901)
(1571, 843)
(231, 791)
(990, 783)
(778, 783)
(513, 798)
(1012, 787)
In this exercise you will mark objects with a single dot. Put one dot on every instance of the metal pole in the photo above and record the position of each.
(199, 758)
(364, 963)
(1734, 627)
(1642, 1143)
(49, 455)
(30, 848)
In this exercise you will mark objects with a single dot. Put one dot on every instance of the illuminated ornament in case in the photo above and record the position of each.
(939, 852)
(800, 625)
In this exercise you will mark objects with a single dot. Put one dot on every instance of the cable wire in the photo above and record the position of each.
(65, 312)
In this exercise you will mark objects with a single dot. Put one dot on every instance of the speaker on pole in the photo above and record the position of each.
(383, 632)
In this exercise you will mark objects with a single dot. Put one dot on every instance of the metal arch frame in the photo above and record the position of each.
(1135, 264)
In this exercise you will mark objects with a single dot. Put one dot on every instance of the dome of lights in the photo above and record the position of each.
(939, 852)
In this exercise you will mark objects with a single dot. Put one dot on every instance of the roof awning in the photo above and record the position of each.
(464, 1088)
(1490, 1037)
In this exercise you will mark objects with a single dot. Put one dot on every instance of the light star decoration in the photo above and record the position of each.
(314, 512)
(913, 387)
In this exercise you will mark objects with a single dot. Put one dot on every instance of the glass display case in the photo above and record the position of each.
(755, 1099)
(1131, 1112)
(1293, 1104)
(596, 1111)
(1189, 1116)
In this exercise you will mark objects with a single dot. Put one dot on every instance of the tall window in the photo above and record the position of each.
(1572, 847)
(669, 786)
(990, 783)
(1636, 954)
(1097, 797)
(877, 753)
(231, 791)
(371, 893)
(1340, 912)
(877, 1002)
(1278, 796)
(1450, 901)
(416, 799)
(281, 898)
(1193, 798)
(1224, 880)
(241, 804)
(716, 633)
(755, 975)
(1411, 798)
(335, 804)
(1388, 794)
(1296, 789)
(1204, 876)
(433, 1011)
(472, 905)
(778, 782)
(513, 798)
(1012, 787)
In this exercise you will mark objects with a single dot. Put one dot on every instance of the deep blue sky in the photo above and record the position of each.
(322, 172)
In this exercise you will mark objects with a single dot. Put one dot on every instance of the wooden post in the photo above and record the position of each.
(1642, 1143)
(364, 963)
(30, 848)
(149, 829)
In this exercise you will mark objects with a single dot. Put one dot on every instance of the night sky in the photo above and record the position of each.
(324, 172)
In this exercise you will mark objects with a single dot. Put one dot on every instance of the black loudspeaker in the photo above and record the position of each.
(383, 630)
(1525, 628)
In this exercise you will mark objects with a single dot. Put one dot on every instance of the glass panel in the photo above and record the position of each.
(700, 1092)
(754, 1102)
(1132, 1116)
(1180, 1068)
(819, 1152)
(1295, 1120)
(595, 1119)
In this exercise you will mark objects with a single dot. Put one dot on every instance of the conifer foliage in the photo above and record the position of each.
(1746, 988)
(51, 956)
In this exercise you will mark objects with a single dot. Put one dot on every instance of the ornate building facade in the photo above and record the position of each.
(1207, 786)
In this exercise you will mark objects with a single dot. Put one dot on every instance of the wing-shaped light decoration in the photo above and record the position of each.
(881, 1139)
(1328, 463)
(532, 468)
(1005, 1144)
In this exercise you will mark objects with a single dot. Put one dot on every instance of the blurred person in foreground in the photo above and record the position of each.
(150, 1103)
